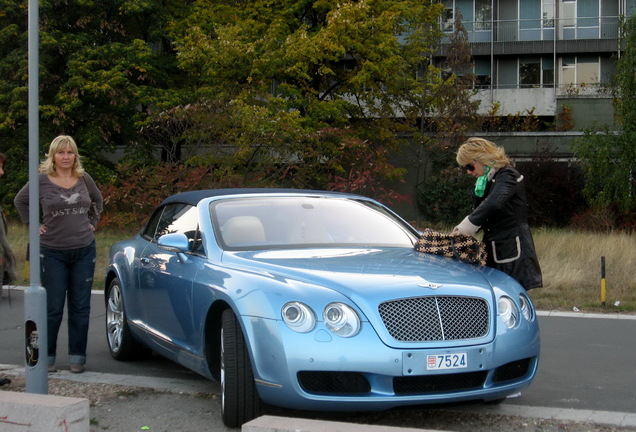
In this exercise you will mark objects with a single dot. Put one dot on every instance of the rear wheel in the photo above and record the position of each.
(121, 343)
(240, 402)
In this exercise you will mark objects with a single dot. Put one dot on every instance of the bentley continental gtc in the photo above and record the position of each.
(315, 301)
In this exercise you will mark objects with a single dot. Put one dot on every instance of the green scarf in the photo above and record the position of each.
(480, 185)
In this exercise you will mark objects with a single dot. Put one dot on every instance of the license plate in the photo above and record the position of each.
(446, 361)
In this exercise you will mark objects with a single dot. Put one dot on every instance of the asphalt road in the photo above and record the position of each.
(588, 362)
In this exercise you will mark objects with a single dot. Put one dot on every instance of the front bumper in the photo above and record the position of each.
(318, 371)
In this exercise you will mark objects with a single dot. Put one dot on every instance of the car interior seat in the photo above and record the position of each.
(243, 230)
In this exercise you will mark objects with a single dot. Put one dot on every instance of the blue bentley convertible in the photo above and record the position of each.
(314, 300)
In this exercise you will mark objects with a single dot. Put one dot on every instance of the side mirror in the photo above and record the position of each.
(175, 242)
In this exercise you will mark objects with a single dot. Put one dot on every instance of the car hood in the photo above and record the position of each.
(370, 272)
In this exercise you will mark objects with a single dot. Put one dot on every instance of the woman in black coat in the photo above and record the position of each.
(500, 210)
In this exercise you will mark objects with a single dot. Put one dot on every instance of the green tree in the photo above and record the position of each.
(105, 67)
(289, 70)
(443, 193)
(269, 92)
(609, 157)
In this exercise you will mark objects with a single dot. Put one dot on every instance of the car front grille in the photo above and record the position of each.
(436, 318)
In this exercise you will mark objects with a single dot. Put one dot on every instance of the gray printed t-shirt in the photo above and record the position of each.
(66, 213)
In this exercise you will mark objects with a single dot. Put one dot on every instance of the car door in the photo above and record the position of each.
(165, 281)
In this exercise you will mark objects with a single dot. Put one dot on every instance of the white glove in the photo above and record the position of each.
(466, 227)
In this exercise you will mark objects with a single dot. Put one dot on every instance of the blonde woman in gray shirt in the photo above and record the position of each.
(71, 205)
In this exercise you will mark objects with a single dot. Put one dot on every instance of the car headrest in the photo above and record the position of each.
(243, 230)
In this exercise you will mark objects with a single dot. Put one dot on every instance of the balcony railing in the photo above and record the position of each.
(561, 89)
(539, 29)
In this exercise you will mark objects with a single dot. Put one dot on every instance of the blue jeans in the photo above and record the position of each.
(68, 274)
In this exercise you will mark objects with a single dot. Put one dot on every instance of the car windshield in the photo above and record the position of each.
(288, 222)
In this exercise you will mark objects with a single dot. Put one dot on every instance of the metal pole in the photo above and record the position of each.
(493, 76)
(36, 367)
(603, 286)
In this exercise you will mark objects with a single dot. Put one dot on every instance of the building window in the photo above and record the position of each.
(507, 73)
(448, 17)
(567, 13)
(483, 76)
(483, 15)
(568, 71)
(530, 72)
(530, 13)
(548, 13)
(587, 70)
(536, 72)
(578, 72)
(547, 69)
(588, 13)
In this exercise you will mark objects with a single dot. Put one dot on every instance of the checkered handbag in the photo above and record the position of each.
(462, 247)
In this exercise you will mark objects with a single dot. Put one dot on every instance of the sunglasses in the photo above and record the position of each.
(469, 167)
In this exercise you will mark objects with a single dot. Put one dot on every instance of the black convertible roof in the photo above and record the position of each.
(193, 197)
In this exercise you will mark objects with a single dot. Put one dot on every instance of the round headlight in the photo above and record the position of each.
(298, 317)
(341, 319)
(508, 312)
(526, 307)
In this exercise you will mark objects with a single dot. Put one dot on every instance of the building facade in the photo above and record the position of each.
(541, 55)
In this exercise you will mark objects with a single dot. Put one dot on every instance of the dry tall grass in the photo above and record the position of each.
(571, 264)
(570, 260)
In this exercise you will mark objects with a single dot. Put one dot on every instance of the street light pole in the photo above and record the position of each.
(36, 367)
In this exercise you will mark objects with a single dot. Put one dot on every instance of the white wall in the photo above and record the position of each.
(518, 101)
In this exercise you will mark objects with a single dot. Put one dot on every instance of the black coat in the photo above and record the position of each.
(502, 215)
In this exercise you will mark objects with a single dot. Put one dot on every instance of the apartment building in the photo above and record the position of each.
(541, 55)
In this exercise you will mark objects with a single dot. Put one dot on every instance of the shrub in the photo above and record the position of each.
(446, 198)
(604, 219)
(554, 191)
(363, 169)
(134, 193)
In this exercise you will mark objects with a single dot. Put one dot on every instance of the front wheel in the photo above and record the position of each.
(240, 402)
(121, 343)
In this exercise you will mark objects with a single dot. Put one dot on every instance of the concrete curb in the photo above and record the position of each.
(43, 413)
(285, 424)
(605, 418)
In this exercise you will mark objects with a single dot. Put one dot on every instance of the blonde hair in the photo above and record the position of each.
(60, 143)
(483, 151)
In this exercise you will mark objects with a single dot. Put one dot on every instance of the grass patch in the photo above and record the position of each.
(571, 264)
(570, 260)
